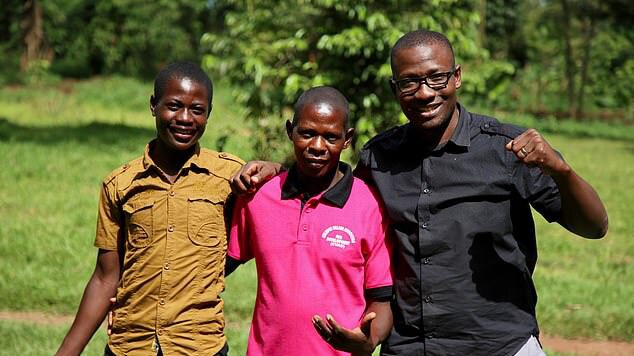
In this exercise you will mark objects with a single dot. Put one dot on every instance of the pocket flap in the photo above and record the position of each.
(215, 199)
(136, 204)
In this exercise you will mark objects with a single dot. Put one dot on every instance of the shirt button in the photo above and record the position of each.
(308, 211)
(425, 225)
(427, 299)
(172, 193)
(162, 301)
(426, 190)
(426, 260)
(160, 331)
(166, 266)
(170, 228)
(305, 227)
(430, 336)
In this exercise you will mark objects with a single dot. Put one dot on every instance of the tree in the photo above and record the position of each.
(272, 51)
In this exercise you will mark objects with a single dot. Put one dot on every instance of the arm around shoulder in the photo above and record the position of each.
(94, 303)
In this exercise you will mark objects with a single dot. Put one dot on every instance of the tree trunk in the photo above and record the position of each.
(482, 29)
(568, 55)
(35, 46)
(585, 63)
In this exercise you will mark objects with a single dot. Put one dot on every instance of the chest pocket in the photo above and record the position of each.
(139, 221)
(205, 220)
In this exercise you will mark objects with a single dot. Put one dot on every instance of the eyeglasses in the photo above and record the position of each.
(436, 81)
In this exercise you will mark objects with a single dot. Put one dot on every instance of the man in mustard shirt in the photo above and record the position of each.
(161, 235)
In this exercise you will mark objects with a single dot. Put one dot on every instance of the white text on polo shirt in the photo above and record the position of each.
(342, 236)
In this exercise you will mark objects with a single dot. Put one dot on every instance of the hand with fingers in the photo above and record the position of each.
(252, 175)
(357, 341)
(533, 150)
(113, 301)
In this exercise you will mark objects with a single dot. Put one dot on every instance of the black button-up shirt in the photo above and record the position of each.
(465, 245)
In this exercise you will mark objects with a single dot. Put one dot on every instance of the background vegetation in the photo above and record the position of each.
(74, 97)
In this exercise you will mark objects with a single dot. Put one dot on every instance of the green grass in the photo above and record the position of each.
(57, 143)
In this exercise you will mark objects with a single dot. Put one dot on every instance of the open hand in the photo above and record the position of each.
(357, 341)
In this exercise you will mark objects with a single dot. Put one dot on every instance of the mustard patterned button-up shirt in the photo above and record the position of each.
(172, 239)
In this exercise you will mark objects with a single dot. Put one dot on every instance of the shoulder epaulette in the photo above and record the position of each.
(122, 170)
(230, 157)
(383, 136)
(494, 127)
(221, 164)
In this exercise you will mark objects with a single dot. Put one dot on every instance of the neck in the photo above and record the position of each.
(316, 185)
(432, 139)
(168, 160)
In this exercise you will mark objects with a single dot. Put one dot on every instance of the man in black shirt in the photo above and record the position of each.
(458, 188)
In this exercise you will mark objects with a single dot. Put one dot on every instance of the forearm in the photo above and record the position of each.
(382, 324)
(92, 311)
(582, 210)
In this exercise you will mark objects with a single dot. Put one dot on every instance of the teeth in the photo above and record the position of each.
(429, 108)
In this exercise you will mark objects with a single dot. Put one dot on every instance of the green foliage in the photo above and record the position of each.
(124, 36)
(572, 58)
(272, 52)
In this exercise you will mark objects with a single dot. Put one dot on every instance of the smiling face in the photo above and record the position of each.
(181, 113)
(429, 111)
(319, 136)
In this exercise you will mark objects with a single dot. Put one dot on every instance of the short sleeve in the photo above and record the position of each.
(378, 271)
(539, 190)
(240, 234)
(109, 219)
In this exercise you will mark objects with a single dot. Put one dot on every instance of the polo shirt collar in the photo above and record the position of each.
(194, 160)
(337, 195)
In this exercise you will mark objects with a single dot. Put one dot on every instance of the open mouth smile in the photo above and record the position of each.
(182, 133)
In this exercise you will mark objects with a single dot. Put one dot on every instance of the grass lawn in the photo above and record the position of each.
(58, 143)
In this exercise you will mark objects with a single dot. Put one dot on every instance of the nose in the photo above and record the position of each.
(424, 92)
(185, 116)
(317, 146)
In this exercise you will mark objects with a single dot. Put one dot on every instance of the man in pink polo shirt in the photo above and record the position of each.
(318, 236)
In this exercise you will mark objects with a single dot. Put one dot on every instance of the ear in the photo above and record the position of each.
(458, 76)
(289, 129)
(211, 106)
(393, 87)
(152, 105)
(349, 135)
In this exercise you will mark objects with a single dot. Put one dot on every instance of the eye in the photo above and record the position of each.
(439, 78)
(198, 111)
(173, 106)
(408, 83)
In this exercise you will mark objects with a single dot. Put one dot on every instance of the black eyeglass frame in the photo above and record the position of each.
(423, 80)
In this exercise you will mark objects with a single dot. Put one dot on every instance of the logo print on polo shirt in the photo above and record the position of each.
(338, 236)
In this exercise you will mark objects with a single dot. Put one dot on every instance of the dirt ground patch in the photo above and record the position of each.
(553, 343)
(37, 318)
(587, 347)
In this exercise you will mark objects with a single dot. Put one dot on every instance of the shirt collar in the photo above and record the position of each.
(462, 135)
(337, 194)
(194, 160)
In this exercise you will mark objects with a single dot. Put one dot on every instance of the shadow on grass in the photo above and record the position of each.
(94, 133)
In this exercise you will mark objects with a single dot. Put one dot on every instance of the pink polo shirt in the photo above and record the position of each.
(319, 259)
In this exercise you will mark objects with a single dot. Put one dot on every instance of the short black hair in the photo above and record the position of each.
(179, 70)
(421, 38)
(322, 94)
